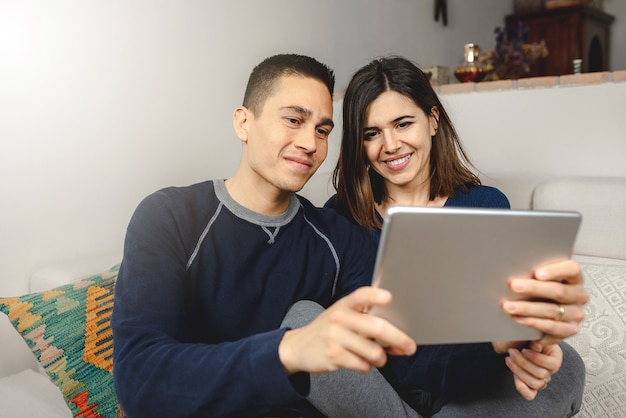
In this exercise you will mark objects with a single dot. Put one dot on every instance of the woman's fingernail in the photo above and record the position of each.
(518, 285)
(509, 307)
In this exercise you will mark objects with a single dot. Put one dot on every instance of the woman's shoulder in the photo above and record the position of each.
(479, 196)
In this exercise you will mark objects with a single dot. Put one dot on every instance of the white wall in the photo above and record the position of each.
(104, 101)
(517, 138)
(617, 8)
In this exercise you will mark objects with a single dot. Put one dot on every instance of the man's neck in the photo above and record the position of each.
(261, 198)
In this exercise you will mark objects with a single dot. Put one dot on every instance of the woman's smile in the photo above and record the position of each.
(398, 163)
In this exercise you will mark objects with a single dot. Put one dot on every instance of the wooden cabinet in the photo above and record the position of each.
(570, 33)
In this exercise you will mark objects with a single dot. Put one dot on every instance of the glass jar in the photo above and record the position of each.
(471, 69)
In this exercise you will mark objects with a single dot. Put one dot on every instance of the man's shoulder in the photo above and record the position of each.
(315, 212)
(182, 193)
(188, 190)
(173, 199)
(326, 214)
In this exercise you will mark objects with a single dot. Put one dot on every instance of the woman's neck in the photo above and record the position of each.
(410, 195)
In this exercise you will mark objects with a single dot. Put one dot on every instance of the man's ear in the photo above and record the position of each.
(241, 117)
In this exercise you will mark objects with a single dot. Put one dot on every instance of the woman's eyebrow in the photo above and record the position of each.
(398, 119)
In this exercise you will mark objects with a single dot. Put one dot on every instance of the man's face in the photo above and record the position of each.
(288, 141)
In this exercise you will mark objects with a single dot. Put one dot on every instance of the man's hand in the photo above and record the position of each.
(343, 336)
(558, 315)
(533, 367)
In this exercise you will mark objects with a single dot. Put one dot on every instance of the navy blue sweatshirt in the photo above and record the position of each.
(203, 287)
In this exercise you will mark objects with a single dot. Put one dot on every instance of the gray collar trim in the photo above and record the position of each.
(254, 217)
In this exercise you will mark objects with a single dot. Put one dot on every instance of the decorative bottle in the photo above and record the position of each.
(471, 69)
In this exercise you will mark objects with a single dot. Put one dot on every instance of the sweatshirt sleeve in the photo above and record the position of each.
(157, 371)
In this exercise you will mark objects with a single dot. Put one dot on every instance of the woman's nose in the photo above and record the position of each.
(391, 144)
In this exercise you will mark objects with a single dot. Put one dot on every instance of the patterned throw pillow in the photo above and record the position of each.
(68, 330)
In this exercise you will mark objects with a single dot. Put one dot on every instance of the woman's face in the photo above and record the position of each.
(397, 139)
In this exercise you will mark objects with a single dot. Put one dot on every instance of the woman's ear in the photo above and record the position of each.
(434, 120)
(241, 117)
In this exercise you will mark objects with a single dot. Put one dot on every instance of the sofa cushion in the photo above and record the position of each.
(68, 330)
(601, 201)
(31, 394)
(601, 341)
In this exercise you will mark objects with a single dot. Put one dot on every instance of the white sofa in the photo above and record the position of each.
(601, 252)
(25, 391)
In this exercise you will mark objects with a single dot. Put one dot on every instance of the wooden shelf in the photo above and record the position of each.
(570, 33)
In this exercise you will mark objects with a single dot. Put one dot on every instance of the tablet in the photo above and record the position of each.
(447, 268)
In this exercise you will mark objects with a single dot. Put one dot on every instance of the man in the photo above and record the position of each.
(210, 272)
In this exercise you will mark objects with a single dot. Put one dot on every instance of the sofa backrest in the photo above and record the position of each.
(602, 203)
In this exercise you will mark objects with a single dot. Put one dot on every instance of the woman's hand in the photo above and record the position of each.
(559, 309)
(533, 367)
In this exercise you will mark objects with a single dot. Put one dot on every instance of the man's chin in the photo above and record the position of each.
(296, 186)
(295, 182)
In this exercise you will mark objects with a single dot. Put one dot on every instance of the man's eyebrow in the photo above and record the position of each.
(307, 113)
(328, 121)
(398, 119)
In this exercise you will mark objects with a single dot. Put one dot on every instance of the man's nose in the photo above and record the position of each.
(307, 140)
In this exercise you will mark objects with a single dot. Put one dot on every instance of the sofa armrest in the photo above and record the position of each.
(31, 394)
(602, 203)
(16, 355)
(63, 273)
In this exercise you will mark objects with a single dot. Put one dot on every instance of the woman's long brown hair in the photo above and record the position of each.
(358, 188)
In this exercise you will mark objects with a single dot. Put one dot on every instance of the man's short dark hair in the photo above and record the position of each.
(265, 75)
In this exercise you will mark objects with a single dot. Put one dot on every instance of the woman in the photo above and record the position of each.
(400, 147)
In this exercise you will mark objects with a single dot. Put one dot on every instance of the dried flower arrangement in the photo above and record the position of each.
(513, 55)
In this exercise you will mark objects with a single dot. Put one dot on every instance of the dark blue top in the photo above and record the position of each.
(203, 287)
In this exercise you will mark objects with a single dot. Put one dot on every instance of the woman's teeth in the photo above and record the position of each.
(399, 160)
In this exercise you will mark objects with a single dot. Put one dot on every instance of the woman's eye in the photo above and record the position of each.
(402, 125)
(370, 135)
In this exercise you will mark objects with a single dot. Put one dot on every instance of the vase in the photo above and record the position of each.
(470, 70)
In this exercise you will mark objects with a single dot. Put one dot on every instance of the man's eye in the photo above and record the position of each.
(293, 121)
(323, 132)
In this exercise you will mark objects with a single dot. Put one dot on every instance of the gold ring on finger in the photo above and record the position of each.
(560, 314)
